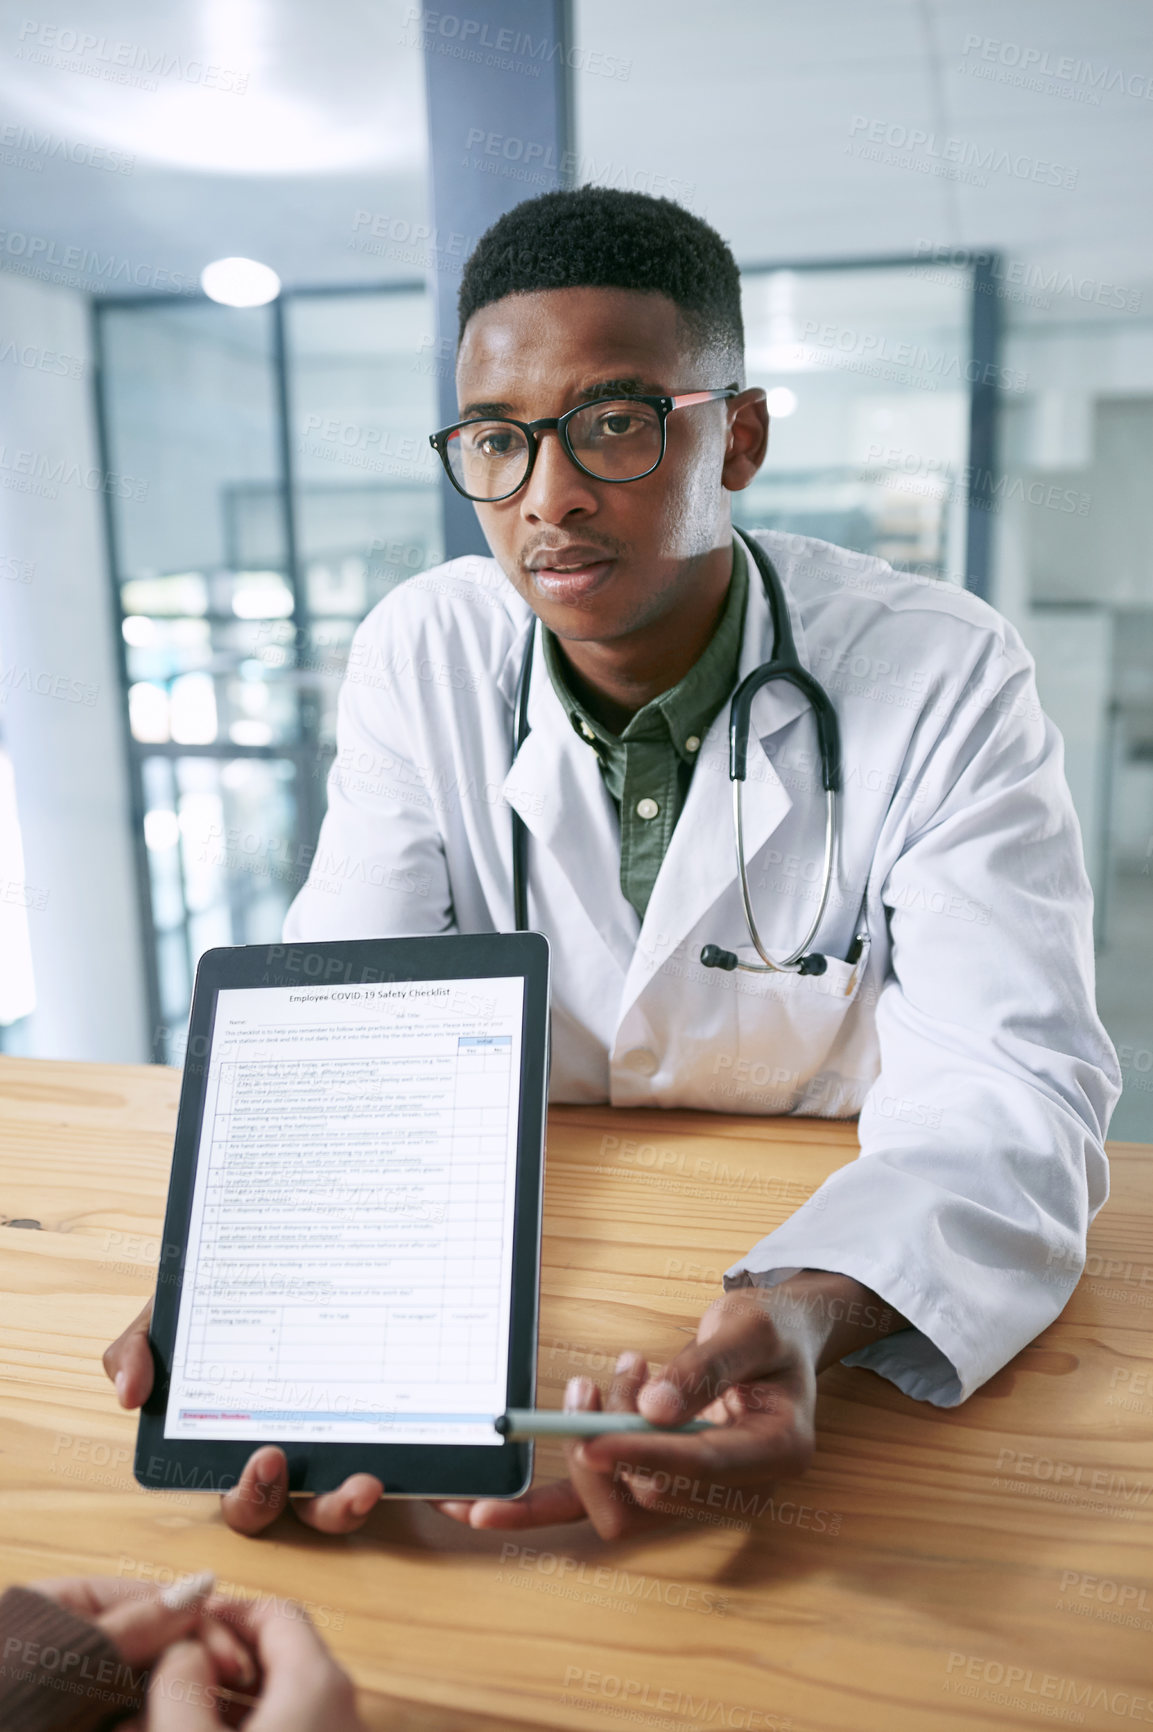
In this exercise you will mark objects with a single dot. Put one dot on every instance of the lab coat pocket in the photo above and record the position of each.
(787, 1026)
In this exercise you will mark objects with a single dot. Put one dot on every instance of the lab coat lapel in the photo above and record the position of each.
(556, 785)
(700, 863)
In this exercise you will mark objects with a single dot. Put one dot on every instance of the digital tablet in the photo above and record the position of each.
(351, 1250)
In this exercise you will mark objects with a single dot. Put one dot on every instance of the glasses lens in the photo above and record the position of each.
(618, 441)
(488, 458)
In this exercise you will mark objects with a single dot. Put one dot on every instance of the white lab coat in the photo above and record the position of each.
(969, 1044)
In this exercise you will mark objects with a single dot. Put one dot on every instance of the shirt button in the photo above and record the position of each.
(587, 731)
(644, 1062)
(693, 743)
(647, 808)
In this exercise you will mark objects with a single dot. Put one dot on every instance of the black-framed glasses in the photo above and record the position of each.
(612, 439)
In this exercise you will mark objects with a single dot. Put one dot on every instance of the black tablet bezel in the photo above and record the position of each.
(406, 1470)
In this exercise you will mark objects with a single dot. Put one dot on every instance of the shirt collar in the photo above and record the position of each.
(685, 711)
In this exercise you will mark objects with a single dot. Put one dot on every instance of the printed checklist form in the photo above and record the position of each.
(349, 1254)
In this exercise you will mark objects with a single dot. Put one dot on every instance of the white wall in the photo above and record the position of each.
(60, 702)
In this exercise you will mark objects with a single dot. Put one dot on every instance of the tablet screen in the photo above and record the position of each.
(349, 1256)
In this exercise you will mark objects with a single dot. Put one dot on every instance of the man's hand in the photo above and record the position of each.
(752, 1369)
(261, 1492)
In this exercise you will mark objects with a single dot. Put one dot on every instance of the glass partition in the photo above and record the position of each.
(244, 560)
(366, 481)
(868, 374)
(1074, 564)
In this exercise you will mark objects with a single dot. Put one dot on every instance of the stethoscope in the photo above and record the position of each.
(784, 665)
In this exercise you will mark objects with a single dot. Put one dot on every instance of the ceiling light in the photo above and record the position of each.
(240, 283)
(780, 401)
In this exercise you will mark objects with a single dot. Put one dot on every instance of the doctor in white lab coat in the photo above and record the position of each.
(968, 1043)
(966, 1038)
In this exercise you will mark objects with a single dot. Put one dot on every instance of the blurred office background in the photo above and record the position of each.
(940, 210)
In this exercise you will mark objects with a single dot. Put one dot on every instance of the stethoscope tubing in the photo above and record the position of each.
(791, 963)
(519, 827)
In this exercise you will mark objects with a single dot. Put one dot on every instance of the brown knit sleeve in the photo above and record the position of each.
(58, 1672)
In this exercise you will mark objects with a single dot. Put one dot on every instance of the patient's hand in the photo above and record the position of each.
(261, 1493)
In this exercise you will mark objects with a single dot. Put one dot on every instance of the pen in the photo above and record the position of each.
(521, 1423)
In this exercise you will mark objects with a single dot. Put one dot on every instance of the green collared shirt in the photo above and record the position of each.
(648, 767)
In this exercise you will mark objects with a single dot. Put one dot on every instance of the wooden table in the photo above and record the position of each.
(991, 1566)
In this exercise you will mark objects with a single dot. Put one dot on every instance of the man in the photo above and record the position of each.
(964, 1032)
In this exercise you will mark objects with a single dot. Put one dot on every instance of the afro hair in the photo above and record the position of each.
(602, 238)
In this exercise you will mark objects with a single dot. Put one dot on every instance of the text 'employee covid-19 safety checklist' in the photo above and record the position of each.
(349, 1263)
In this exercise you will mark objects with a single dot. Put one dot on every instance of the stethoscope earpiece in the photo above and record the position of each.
(712, 956)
